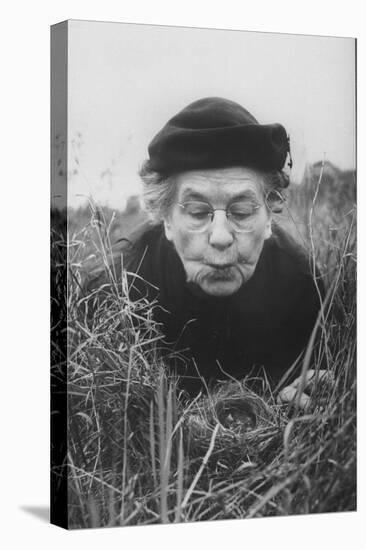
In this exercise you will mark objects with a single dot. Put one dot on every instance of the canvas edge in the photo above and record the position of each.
(58, 276)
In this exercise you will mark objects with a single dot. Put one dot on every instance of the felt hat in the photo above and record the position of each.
(214, 132)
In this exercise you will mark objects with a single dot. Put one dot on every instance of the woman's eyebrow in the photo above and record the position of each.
(244, 196)
(193, 194)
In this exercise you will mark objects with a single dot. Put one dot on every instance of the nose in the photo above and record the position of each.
(221, 235)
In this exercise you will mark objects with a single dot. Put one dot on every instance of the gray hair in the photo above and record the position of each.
(159, 191)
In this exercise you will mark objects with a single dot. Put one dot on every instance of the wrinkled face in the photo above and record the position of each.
(219, 259)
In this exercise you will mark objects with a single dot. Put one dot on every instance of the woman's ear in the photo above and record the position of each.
(268, 228)
(168, 229)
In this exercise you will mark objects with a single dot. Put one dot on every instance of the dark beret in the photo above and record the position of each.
(216, 133)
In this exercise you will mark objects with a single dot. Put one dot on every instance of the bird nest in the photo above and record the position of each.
(248, 425)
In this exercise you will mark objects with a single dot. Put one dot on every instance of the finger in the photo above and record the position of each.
(287, 394)
(290, 394)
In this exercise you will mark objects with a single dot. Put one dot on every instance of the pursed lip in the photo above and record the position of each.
(221, 266)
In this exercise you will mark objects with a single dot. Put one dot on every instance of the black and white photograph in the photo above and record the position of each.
(203, 274)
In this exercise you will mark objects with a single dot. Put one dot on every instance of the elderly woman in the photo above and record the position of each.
(237, 294)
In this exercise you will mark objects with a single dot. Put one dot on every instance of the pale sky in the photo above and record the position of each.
(125, 82)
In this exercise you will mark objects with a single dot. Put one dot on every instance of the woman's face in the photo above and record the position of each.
(219, 259)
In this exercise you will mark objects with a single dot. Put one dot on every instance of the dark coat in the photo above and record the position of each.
(266, 324)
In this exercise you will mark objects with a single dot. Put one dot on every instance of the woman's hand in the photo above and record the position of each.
(289, 393)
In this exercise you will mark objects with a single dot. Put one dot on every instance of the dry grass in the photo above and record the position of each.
(140, 453)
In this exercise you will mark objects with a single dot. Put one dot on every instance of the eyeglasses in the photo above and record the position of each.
(241, 216)
(198, 215)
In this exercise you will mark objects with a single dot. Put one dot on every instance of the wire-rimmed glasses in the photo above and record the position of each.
(198, 215)
(241, 215)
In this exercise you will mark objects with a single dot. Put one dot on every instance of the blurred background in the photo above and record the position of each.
(125, 81)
